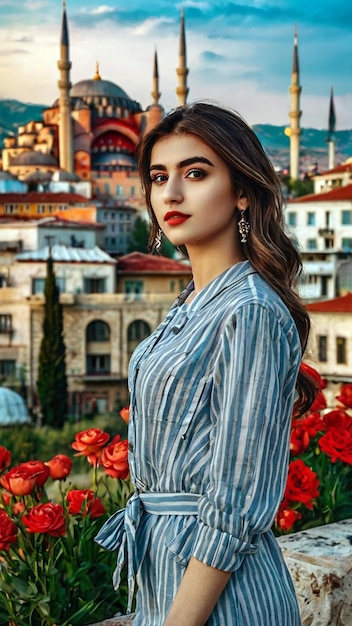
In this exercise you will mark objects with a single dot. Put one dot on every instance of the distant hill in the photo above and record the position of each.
(314, 148)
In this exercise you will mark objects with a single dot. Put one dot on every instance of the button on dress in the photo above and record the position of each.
(212, 391)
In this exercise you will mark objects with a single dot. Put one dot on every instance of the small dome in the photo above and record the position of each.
(7, 176)
(33, 157)
(100, 87)
(114, 159)
(12, 408)
(63, 176)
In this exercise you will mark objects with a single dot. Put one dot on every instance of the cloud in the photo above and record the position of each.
(102, 10)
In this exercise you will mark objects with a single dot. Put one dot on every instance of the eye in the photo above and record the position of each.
(158, 178)
(196, 173)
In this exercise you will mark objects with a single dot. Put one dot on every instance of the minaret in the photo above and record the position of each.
(295, 114)
(65, 123)
(182, 71)
(331, 132)
(155, 93)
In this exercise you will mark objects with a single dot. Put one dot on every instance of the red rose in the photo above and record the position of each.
(302, 484)
(310, 371)
(39, 470)
(303, 430)
(18, 508)
(346, 395)
(338, 419)
(46, 518)
(125, 414)
(114, 458)
(286, 517)
(59, 466)
(337, 444)
(19, 481)
(319, 402)
(8, 531)
(5, 458)
(83, 501)
(89, 443)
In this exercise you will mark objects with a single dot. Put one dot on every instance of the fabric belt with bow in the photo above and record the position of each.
(119, 531)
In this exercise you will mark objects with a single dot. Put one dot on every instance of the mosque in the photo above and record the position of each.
(91, 131)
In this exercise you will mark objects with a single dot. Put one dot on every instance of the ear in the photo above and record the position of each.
(242, 202)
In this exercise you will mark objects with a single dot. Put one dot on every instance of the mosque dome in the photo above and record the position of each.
(33, 157)
(12, 408)
(98, 92)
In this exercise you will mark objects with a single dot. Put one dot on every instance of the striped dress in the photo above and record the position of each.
(212, 391)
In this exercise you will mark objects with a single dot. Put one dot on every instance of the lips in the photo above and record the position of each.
(173, 218)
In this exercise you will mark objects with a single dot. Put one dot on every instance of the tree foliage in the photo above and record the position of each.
(52, 381)
(139, 237)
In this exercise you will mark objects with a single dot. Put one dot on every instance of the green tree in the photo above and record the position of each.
(139, 237)
(52, 381)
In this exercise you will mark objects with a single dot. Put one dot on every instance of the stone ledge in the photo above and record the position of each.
(320, 563)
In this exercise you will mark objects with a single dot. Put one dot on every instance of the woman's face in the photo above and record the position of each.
(191, 193)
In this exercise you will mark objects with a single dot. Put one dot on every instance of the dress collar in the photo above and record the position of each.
(229, 277)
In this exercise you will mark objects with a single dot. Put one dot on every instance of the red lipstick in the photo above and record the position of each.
(174, 218)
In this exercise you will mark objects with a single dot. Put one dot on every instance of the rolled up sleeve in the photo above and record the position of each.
(254, 380)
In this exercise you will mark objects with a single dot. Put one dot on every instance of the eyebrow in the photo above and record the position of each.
(184, 163)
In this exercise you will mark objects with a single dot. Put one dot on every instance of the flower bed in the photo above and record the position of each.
(319, 483)
(51, 569)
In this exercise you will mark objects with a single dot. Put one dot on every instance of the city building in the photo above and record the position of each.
(109, 306)
(330, 342)
(321, 226)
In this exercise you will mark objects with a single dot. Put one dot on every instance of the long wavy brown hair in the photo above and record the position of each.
(268, 248)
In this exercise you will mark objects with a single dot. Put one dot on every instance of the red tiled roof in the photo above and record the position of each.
(339, 169)
(139, 263)
(43, 197)
(343, 304)
(340, 193)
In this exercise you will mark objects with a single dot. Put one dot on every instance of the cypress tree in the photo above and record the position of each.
(52, 381)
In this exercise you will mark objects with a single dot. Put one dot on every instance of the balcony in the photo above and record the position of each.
(327, 233)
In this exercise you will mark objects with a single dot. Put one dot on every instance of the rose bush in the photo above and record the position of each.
(52, 572)
(319, 482)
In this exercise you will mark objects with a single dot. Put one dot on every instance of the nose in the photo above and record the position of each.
(173, 190)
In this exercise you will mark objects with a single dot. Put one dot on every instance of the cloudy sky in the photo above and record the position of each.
(238, 53)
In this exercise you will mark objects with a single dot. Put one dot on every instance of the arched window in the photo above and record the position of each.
(98, 360)
(98, 331)
(137, 331)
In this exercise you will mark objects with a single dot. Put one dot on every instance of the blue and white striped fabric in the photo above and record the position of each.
(212, 391)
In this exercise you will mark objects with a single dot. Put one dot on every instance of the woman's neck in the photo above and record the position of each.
(207, 264)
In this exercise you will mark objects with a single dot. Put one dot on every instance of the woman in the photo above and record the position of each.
(213, 388)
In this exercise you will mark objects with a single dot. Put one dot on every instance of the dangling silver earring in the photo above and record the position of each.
(243, 227)
(158, 240)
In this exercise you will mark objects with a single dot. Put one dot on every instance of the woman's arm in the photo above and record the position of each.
(197, 595)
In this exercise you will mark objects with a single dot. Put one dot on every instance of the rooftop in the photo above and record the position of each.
(340, 193)
(342, 304)
(139, 263)
(67, 254)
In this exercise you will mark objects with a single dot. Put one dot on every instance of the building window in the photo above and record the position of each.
(292, 219)
(98, 364)
(322, 348)
(95, 285)
(341, 350)
(9, 209)
(38, 285)
(41, 208)
(7, 367)
(137, 331)
(310, 219)
(311, 244)
(98, 331)
(5, 323)
(346, 218)
(346, 244)
(132, 191)
(119, 190)
(133, 289)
